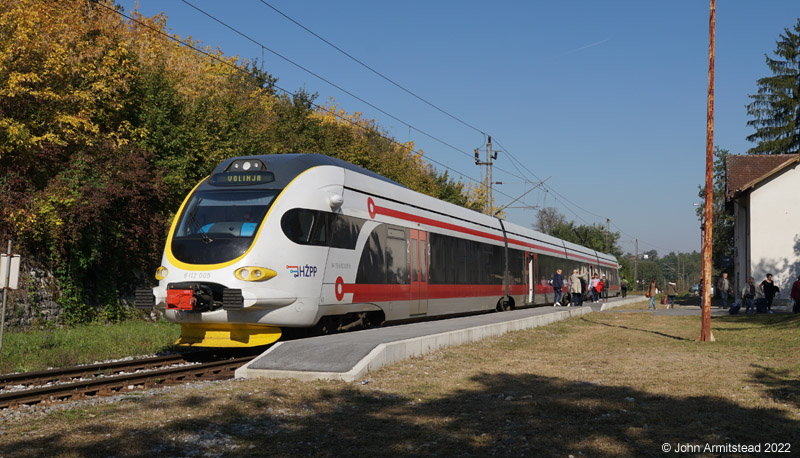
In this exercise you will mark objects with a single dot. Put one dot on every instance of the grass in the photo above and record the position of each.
(604, 384)
(25, 351)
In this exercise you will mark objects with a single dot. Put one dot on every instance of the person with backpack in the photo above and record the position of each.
(672, 291)
(623, 286)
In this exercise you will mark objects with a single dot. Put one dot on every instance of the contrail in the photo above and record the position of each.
(585, 47)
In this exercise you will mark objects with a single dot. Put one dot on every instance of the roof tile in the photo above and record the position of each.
(741, 170)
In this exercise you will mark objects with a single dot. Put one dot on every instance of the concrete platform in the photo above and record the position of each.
(349, 356)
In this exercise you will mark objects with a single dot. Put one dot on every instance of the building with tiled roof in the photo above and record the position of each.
(763, 192)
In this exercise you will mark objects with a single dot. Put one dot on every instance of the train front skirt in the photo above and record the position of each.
(227, 335)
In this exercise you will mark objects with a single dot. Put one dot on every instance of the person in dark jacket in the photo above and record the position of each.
(557, 283)
(769, 289)
(795, 295)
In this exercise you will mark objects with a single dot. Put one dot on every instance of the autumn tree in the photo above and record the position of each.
(106, 124)
(776, 107)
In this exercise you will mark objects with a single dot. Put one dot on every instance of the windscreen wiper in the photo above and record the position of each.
(203, 234)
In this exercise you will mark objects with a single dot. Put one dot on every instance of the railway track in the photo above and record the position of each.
(105, 379)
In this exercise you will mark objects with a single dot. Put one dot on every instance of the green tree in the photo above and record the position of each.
(722, 221)
(547, 219)
(776, 107)
(594, 237)
(651, 270)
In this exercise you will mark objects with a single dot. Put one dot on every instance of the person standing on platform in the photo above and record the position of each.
(724, 287)
(623, 286)
(575, 288)
(593, 288)
(583, 290)
(769, 289)
(557, 283)
(672, 291)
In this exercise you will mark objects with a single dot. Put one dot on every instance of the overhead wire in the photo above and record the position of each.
(348, 92)
(372, 69)
(514, 161)
(210, 16)
(320, 107)
(410, 126)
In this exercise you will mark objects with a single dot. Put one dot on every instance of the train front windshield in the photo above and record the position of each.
(219, 226)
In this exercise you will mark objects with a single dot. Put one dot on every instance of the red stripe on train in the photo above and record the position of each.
(378, 210)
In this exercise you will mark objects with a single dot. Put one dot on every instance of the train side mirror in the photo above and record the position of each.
(336, 201)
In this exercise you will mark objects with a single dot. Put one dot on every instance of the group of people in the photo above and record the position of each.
(753, 298)
(652, 290)
(756, 299)
(576, 286)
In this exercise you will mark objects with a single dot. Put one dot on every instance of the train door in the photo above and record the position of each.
(535, 270)
(529, 277)
(419, 272)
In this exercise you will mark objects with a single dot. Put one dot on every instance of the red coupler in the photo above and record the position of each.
(180, 299)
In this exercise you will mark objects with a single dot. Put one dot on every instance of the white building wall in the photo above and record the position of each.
(774, 232)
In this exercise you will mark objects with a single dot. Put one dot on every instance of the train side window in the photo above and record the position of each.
(397, 270)
(414, 261)
(344, 231)
(372, 266)
(516, 264)
(423, 259)
(297, 224)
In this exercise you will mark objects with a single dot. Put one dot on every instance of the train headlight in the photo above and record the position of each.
(161, 273)
(254, 273)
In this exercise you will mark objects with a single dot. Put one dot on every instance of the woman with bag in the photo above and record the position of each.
(651, 293)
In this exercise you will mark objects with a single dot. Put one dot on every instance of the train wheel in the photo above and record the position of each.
(504, 304)
(326, 325)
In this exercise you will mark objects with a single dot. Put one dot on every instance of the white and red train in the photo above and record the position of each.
(304, 241)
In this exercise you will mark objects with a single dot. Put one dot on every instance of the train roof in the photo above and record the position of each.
(286, 167)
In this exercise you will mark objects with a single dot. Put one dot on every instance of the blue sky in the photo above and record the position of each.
(606, 100)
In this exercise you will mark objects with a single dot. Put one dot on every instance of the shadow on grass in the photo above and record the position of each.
(508, 415)
(628, 328)
(781, 384)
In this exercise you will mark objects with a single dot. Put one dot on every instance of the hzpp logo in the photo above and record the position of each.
(303, 271)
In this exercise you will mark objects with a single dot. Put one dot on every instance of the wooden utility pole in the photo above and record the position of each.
(705, 329)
